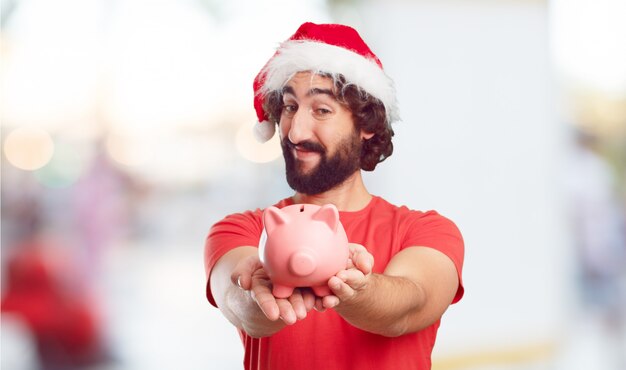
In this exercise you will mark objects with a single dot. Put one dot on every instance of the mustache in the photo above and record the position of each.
(306, 145)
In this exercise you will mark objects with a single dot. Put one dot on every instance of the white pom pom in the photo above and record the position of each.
(264, 131)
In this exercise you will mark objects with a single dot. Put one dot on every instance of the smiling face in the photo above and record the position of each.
(320, 143)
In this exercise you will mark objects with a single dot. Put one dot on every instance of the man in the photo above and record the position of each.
(333, 104)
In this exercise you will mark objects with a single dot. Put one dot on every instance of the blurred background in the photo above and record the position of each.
(126, 133)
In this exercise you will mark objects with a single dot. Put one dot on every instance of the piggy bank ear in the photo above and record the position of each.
(273, 217)
(328, 213)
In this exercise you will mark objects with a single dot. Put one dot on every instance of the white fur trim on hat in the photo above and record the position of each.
(263, 131)
(307, 55)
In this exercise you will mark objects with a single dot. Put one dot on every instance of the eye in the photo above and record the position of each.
(322, 111)
(289, 109)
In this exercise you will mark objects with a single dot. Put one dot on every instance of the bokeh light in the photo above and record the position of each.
(28, 148)
(128, 150)
(66, 165)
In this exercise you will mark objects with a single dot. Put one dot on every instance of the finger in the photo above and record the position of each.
(330, 301)
(266, 302)
(261, 292)
(353, 277)
(363, 261)
(286, 311)
(340, 289)
(242, 274)
(309, 299)
(297, 302)
(356, 248)
(319, 305)
(241, 279)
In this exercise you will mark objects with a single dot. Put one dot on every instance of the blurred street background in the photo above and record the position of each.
(126, 133)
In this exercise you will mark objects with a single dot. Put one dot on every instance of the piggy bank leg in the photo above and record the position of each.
(282, 291)
(321, 291)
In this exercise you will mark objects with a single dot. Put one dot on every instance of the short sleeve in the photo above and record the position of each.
(430, 229)
(236, 230)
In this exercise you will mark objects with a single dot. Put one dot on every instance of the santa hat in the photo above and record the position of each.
(323, 48)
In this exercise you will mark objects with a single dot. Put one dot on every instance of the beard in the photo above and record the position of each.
(329, 172)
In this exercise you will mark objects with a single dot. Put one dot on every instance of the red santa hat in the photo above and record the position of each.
(333, 49)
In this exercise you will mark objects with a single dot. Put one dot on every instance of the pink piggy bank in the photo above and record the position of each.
(302, 245)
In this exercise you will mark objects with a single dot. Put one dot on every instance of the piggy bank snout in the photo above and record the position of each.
(302, 263)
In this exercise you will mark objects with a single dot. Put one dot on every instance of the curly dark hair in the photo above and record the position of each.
(369, 115)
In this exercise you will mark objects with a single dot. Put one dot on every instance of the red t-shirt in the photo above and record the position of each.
(324, 340)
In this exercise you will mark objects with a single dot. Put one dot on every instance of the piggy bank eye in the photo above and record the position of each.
(302, 209)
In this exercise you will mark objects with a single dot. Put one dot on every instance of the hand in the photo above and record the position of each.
(250, 276)
(347, 284)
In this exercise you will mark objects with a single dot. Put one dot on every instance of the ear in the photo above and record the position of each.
(366, 135)
(274, 217)
(328, 214)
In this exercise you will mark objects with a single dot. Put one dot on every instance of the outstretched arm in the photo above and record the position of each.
(242, 291)
(413, 292)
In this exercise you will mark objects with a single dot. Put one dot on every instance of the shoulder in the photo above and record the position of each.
(381, 204)
(253, 217)
(430, 220)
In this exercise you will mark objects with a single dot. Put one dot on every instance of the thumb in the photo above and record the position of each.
(242, 274)
(364, 262)
(361, 258)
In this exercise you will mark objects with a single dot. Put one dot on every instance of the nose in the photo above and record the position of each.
(300, 128)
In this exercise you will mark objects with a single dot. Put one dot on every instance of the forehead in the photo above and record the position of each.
(304, 81)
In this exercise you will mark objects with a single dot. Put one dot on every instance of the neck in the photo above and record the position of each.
(351, 195)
